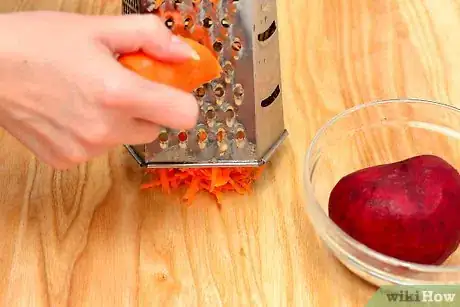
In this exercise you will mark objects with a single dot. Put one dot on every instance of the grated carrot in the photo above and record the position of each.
(164, 180)
(216, 181)
(214, 174)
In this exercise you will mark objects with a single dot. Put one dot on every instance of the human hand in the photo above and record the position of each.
(66, 98)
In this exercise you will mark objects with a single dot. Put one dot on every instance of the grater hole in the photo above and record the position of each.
(188, 23)
(240, 135)
(230, 114)
(238, 91)
(182, 136)
(225, 23)
(210, 114)
(207, 22)
(218, 46)
(230, 117)
(219, 91)
(236, 45)
(202, 136)
(221, 140)
(228, 71)
(228, 67)
(221, 134)
(178, 2)
(169, 23)
(200, 92)
(267, 33)
(163, 137)
(270, 99)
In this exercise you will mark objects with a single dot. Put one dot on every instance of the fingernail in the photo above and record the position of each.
(179, 46)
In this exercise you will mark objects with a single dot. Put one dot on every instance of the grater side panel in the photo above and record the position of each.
(268, 97)
(236, 41)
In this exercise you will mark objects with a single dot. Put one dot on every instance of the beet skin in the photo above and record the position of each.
(409, 209)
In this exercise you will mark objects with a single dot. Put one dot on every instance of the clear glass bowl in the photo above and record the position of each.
(372, 134)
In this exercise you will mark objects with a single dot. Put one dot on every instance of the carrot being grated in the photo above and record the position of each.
(216, 181)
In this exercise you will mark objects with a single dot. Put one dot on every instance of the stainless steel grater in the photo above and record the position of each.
(241, 120)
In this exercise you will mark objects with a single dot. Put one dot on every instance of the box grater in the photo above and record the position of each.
(241, 113)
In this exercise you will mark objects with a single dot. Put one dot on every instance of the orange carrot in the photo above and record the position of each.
(237, 187)
(164, 180)
(149, 185)
(215, 181)
(215, 172)
(186, 75)
(192, 190)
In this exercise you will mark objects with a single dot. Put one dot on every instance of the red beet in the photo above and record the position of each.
(409, 209)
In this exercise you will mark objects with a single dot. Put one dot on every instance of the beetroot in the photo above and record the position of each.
(409, 209)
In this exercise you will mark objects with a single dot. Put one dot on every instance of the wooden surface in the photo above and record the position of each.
(87, 237)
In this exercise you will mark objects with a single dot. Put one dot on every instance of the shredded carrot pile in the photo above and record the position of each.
(215, 181)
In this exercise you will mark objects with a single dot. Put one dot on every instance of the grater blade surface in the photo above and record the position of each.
(241, 114)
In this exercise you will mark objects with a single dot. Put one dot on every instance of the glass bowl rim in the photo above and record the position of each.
(329, 224)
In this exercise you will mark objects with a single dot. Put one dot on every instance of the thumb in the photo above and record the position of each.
(142, 32)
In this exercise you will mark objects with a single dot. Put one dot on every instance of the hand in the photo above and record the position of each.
(64, 95)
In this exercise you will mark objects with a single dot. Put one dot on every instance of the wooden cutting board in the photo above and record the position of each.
(88, 237)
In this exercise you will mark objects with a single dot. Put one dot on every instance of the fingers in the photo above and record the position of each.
(152, 102)
(139, 131)
(140, 98)
(96, 137)
(146, 32)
